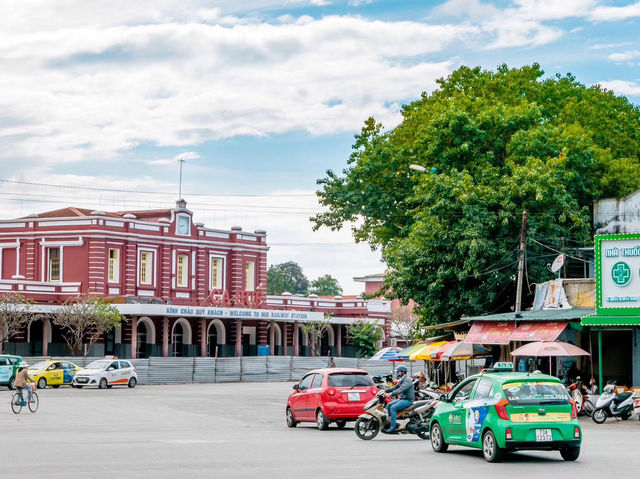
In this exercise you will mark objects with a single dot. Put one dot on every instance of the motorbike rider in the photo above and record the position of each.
(405, 394)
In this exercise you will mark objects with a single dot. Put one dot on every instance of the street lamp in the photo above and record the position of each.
(422, 169)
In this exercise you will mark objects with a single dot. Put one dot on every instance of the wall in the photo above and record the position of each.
(246, 369)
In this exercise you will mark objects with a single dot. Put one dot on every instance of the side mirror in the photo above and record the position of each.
(111, 368)
(296, 387)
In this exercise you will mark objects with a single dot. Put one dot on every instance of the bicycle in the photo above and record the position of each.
(18, 402)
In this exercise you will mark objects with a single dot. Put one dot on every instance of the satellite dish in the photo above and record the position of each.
(557, 263)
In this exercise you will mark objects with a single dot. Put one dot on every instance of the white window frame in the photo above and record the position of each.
(250, 279)
(185, 271)
(178, 217)
(152, 268)
(115, 266)
(220, 276)
(49, 279)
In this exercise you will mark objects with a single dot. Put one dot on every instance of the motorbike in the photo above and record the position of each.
(611, 404)
(412, 420)
(585, 403)
(383, 380)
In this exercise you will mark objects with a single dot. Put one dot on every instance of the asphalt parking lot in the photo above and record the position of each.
(238, 430)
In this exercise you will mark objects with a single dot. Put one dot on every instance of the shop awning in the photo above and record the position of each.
(597, 320)
(547, 331)
(490, 332)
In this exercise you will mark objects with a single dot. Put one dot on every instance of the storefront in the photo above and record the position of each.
(615, 326)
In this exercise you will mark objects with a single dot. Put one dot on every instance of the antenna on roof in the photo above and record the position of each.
(181, 160)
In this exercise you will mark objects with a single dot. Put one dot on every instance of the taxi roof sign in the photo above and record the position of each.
(504, 366)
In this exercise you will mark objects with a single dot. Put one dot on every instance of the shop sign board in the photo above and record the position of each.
(618, 274)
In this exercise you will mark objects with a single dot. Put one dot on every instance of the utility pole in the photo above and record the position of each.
(181, 161)
(564, 261)
(521, 254)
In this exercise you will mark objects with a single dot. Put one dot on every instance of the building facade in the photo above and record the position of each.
(184, 289)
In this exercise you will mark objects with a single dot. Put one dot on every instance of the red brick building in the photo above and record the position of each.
(185, 290)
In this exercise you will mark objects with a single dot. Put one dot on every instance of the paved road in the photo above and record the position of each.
(238, 430)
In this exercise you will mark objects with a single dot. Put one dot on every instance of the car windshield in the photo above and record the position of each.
(41, 366)
(536, 392)
(348, 380)
(102, 364)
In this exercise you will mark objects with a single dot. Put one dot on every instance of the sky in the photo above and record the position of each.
(99, 100)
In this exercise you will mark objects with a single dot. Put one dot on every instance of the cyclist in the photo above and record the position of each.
(22, 381)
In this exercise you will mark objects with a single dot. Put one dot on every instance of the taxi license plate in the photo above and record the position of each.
(353, 396)
(543, 435)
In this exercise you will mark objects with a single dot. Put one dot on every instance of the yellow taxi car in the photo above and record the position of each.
(54, 373)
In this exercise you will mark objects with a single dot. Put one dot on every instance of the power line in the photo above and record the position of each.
(117, 190)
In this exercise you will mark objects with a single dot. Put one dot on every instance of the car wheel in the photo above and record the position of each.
(103, 383)
(12, 383)
(132, 383)
(321, 421)
(341, 423)
(291, 421)
(42, 383)
(490, 448)
(599, 416)
(367, 428)
(437, 439)
(570, 453)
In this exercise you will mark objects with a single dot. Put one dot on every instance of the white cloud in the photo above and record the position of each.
(624, 57)
(545, 10)
(613, 14)
(622, 87)
(86, 92)
(607, 46)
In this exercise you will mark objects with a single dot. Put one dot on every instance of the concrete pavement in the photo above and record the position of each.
(238, 430)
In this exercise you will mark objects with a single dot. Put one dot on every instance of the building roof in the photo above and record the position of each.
(69, 212)
(369, 277)
(540, 315)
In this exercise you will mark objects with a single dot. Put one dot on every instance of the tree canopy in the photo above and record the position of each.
(286, 277)
(325, 285)
(501, 141)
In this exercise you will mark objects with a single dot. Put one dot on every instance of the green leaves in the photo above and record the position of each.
(364, 336)
(503, 142)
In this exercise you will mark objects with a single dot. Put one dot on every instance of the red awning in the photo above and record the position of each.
(490, 332)
(539, 331)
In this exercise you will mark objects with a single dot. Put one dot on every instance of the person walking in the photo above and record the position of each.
(331, 363)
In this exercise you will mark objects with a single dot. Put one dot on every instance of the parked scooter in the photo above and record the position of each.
(611, 404)
(412, 420)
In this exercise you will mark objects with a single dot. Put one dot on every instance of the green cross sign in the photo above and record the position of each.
(621, 273)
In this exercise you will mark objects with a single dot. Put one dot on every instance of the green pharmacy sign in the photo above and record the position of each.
(618, 274)
(621, 273)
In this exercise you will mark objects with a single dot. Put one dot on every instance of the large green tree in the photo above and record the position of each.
(286, 277)
(501, 142)
(325, 285)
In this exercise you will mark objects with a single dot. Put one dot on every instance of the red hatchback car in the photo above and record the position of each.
(330, 395)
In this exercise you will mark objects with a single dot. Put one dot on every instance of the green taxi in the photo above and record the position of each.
(501, 410)
(8, 369)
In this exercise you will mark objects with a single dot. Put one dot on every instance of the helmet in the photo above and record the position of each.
(401, 370)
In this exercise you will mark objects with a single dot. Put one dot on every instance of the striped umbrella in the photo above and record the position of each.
(406, 352)
(425, 351)
(387, 354)
(437, 354)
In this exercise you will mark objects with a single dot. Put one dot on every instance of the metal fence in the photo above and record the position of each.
(244, 369)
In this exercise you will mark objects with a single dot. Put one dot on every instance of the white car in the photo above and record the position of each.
(105, 373)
